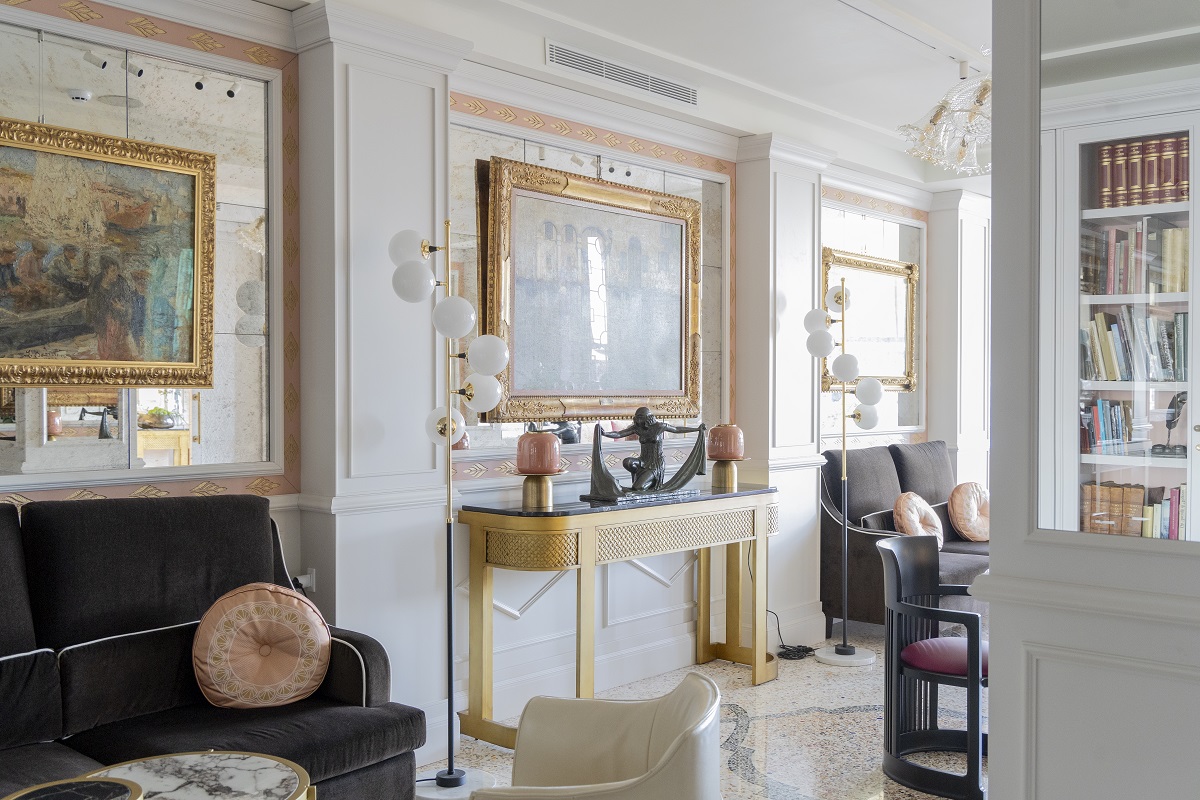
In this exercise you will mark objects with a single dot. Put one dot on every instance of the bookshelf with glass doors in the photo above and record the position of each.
(1123, 452)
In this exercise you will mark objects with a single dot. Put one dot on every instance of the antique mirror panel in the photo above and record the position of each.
(96, 88)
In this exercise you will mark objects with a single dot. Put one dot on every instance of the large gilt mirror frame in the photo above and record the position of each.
(882, 329)
(595, 287)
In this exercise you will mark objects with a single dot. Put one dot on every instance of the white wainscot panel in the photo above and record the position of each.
(1110, 726)
(392, 350)
(794, 264)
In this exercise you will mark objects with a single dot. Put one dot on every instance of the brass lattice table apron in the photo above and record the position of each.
(569, 538)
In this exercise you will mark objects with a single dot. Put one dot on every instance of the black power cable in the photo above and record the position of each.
(788, 652)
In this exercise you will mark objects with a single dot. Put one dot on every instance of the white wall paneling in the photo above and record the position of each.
(956, 287)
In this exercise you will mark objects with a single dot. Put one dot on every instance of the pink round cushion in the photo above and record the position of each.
(945, 654)
(969, 508)
(914, 517)
(260, 645)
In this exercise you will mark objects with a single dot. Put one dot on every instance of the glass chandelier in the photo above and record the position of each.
(950, 135)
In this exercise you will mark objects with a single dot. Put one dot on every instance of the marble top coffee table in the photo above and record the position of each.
(214, 774)
(81, 789)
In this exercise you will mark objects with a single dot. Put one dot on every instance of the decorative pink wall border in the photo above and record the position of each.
(873, 203)
(189, 37)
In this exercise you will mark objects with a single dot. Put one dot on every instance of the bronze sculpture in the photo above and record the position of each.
(648, 468)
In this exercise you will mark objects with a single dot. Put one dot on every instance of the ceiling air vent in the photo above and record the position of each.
(579, 61)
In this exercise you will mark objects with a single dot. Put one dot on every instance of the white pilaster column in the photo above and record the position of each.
(775, 283)
(957, 320)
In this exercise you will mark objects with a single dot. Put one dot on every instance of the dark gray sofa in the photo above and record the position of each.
(877, 476)
(99, 601)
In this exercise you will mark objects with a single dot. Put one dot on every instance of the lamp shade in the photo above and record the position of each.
(404, 245)
(726, 443)
(413, 281)
(837, 299)
(435, 425)
(869, 391)
(819, 343)
(453, 317)
(845, 367)
(483, 392)
(816, 320)
(488, 354)
(866, 417)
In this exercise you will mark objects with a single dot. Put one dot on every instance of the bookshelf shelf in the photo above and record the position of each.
(1123, 276)
(1127, 214)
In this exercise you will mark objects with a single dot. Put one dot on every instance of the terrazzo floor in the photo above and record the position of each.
(816, 733)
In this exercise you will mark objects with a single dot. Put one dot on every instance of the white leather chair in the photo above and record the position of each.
(668, 747)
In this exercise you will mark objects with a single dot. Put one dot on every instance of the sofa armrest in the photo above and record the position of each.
(359, 673)
(947, 589)
(865, 569)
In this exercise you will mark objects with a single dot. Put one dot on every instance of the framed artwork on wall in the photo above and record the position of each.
(595, 287)
(106, 260)
(883, 292)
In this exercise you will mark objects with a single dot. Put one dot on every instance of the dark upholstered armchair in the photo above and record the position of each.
(877, 476)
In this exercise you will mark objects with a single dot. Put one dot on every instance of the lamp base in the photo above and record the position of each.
(472, 780)
(537, 493)
(860, 657)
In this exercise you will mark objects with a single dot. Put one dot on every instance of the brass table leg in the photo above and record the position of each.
(704, 649)
(585, 609)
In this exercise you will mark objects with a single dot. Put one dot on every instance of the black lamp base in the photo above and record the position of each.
(844, 649)
(449, 778)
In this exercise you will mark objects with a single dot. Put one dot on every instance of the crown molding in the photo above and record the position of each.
(482, 80)
(772, 146)
(244, 19)
(962, 200)
(1143, 101)
(334, 21)
(849, 180)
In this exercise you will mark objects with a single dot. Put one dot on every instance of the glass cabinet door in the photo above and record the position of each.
(1124, 428)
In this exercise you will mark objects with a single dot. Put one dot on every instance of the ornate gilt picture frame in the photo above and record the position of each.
(106, 260)
(595, 287)
(883, 316)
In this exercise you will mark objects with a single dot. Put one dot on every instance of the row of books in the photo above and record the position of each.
(1107, 428)
(1135, 344)
(1143, 171)
(1125, 509)
(1148, 256)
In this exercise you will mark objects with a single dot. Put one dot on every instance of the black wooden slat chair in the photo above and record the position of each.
(917, 661)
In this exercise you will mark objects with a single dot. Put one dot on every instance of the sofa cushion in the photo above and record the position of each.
(30, 707)
(326, 738)
(22, 767)
(924, 468)
(970, 511)
(126, 676)
(108, 567)
(957, 545)
(913, 517)
(16, 619)
(260, 645)
(872, 476)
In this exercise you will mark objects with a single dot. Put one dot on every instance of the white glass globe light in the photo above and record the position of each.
(435, 423)
(405, 245)
(483, 392)
(454, 317)
(488, 355)
(816, 320)
(819, 343)
(869, 391)
(845, 368)
(837, 299)
(413, 281)
(866, 417)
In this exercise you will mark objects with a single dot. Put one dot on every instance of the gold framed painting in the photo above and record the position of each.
(882, 332)
(595, 287)
(106, 260)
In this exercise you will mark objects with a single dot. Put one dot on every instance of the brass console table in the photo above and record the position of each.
(580, 536)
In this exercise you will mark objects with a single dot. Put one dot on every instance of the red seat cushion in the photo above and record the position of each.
(946, 654)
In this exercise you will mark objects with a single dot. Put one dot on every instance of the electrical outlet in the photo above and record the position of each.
(308, 580)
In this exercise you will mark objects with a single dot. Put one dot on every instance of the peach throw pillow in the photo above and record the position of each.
(260, 645)
(970, 512)
(914, 517)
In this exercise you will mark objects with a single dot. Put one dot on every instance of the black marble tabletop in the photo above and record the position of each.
(572, 508)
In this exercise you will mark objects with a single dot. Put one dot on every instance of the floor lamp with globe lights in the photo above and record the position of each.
(868, 392)
(487, 356)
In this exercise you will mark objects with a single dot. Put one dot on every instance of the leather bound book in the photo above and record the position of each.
(1151, 192)
(1120, 174)
(1087, 508)
(1183, 181)
(1104, 178)
(1135, 496)
(1167, 167)
(1133, 173)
